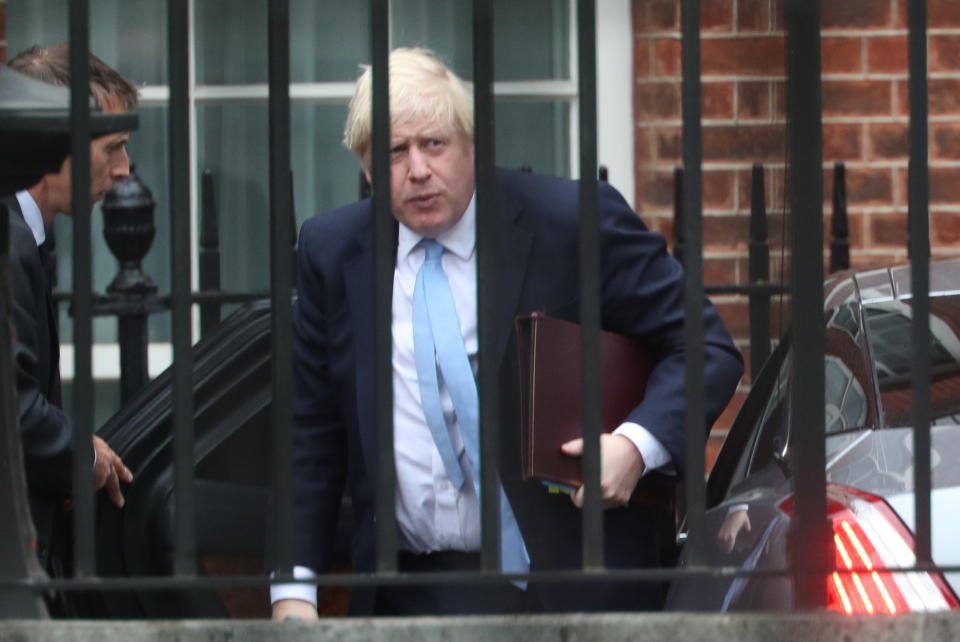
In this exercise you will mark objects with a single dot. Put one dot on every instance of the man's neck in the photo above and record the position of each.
(40, 196)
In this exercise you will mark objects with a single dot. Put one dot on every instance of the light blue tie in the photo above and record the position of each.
(437, 337)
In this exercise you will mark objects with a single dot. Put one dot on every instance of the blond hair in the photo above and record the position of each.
(421, 88)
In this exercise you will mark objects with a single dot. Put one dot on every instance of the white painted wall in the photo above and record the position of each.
(615, 94)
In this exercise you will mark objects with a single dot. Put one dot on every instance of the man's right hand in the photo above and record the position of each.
(296, 609)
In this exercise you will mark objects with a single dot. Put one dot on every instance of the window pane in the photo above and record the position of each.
(129, 35)
(533, 135)
(325, 173)
(328, 39)
(442, 26)
(234, 146)
(232, 143)
(231, 41)
(531, 38)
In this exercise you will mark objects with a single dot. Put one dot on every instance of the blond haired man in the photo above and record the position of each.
(437, 507)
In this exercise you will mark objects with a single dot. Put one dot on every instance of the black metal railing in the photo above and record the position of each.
(919, 249)
(806, 202)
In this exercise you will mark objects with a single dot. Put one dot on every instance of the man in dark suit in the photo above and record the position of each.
(437, 507)
(46, 431)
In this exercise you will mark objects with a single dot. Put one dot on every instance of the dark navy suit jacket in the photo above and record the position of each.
(335, 438)
(46, 432)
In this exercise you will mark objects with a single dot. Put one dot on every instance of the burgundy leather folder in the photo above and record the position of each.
(550, 392)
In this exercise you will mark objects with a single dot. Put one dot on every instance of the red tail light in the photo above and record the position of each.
(868, 536)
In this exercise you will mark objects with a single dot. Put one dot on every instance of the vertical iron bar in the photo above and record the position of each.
(385, 251)
(281, 317)
(759, 273)
(292, 240)
(693, 279)
(134, 367)
(487, 266)
(179, 66)
(591, 385)
(83, 397)
(840, 235)
(809, 530)
(678, 214)
(209, 253)
(919, 233)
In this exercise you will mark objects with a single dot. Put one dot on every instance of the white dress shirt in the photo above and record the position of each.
(32, 216)
(432, 514)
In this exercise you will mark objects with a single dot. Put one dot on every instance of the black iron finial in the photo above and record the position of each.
(129, 231)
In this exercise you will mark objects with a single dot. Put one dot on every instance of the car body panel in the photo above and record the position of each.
(869, 445)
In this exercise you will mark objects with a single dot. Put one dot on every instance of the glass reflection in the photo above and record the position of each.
(890, 327)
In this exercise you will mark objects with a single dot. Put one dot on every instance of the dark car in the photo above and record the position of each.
(233, 472)
(869, 472)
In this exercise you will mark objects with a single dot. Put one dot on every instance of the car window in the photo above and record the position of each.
(845, 399)
(889, 326)
(849, 400)
(770, 430)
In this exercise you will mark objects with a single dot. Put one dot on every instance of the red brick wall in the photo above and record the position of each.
(865, 124)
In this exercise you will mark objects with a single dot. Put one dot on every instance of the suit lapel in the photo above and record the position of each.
(359, 280)
(54, 393)
(514, 254)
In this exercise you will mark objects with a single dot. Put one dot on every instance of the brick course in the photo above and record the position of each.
(866, 125)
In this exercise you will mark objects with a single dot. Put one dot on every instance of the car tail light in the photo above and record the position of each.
(868, 537)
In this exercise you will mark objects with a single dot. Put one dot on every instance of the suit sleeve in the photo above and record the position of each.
(319, 440)
(46, 432)
(643, 296)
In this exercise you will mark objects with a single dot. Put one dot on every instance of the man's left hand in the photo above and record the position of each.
(109, 470)
(621, 467)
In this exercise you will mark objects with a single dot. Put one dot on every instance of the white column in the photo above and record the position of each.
(615, 82)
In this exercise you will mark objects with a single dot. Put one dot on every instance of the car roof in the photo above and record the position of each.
(888, 284)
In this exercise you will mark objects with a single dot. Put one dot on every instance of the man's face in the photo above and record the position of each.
(431, 176)
(109, 165)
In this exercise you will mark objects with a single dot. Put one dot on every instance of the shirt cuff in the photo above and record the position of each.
(654, 454)
(737, 508)
(304, 592)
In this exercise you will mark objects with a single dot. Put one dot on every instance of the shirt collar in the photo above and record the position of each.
(461, 239)
(32, 216)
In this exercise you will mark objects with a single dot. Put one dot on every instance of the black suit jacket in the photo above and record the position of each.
(335, 440)
(46, 432)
